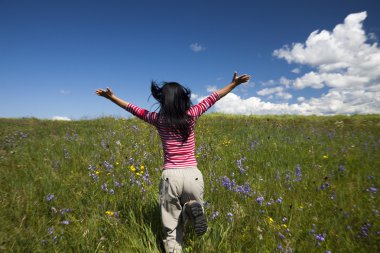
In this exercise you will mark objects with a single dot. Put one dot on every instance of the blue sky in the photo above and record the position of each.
(305, 57)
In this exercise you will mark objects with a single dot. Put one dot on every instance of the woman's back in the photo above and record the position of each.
(177, 153)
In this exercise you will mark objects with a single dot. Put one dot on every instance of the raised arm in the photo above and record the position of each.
(108, 93)
(236, 80)
(150, 117)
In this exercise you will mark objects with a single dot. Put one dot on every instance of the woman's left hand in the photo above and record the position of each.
(108, 93)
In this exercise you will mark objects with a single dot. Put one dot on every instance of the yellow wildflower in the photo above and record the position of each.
(325, 157)
(284, 225)
(270, 220)
(142, 167)
(110, 213)
(138, 174)
(97, 172)
(117, 163)
(132, 168)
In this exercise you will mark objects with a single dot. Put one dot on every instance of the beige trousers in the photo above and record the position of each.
(177, 187)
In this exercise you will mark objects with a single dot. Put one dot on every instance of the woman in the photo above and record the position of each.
(181, 185)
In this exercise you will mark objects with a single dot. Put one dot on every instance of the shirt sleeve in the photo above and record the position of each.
(204, 105)
(147, 116)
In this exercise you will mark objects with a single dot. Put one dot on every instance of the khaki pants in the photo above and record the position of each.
(177, 187)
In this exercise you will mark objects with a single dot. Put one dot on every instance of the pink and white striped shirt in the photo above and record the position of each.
(176, 153)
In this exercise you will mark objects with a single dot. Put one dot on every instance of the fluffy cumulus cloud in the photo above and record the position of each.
(343, 61)
(196, 47)
(211, 88)
(234, 104)
(278, 92)
(61, 118)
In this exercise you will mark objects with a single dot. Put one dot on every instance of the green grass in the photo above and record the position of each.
(256, 201)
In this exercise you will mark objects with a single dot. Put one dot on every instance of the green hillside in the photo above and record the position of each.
(273, 184)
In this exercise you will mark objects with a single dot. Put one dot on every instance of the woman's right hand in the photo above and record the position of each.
(108, 93)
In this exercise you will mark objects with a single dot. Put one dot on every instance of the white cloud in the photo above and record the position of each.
(212, 88)
(296, 71)
(278, 92)
(268, 91)
(342, 61)
(372, 36)
(196, 47)
(285, 81)
(234, 104)
(194, 96)
(332, 103)
(64, 92)
(300, 99)
(61, 118)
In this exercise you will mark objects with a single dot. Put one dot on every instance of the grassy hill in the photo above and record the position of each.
(273, 184)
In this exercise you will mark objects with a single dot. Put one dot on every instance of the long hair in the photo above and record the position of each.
(174, 100)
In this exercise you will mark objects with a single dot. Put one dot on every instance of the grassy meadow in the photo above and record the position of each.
(272, 184)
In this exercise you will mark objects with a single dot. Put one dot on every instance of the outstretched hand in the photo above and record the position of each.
(108, 93)
(240, 79)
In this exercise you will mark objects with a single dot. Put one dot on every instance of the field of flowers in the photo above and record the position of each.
(273, 184)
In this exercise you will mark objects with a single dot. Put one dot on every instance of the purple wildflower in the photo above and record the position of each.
(94, 176)
(324, 186)
(214, 215)
(341, 168)
(65, 222)
(298, 173)
(104, 187)
(227, 183)
(260, 200)
(49, 197)
(279, 246)
(112, 192)
(320, 237)
(116, 184)
(63, 211)
(50, 230)
(372, 189)
(146, 177)
(365, 229)
(104, 144)
(279, 200)
(253, 144)
(230, 215)
(242, 169)
(247, 189)
(108, 165)
(244, 189)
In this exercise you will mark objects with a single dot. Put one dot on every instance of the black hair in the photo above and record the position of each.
(174, 100)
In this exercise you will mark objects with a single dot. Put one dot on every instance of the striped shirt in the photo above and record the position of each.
(176, 153)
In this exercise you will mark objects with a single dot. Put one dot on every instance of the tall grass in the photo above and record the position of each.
(273, 184)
